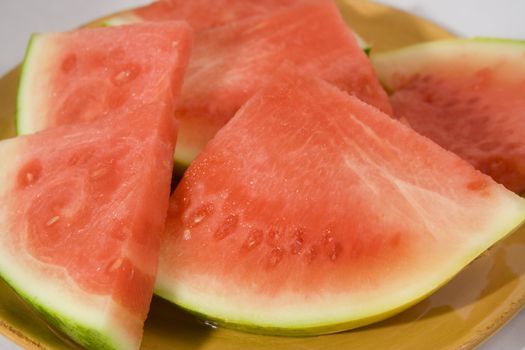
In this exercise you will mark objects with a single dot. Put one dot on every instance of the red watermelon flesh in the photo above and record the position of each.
(312, 212)
(201, 14)
(81, 209)
(230, 63)
(467, 96)
(96, 72)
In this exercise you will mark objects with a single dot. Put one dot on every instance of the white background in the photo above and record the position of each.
(504, 18)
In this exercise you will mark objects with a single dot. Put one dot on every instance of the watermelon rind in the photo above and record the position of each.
(72, 319)
(412, 59)
(22, 126)
(120, 19)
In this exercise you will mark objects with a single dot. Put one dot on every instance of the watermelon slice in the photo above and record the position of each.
(89, 73)
(201, 14)
(81, 211)
(230, 63)
(312, 212)
(467, 96)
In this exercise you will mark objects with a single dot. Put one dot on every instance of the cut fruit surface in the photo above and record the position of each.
(312, 212)
(230, 63)
(95, 72)
(467, 96)
(200, 14)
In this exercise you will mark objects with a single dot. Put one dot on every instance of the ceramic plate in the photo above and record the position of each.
(459, 316)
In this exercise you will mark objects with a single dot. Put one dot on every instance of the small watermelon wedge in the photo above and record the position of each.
(200, 14)
(95, 72)
(312, 212)
(230, 63)
(82, 208)
(467, 96)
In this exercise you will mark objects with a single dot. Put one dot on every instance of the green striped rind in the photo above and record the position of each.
(408, 58)
(80, 333)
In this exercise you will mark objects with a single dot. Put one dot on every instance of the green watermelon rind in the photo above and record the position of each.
(516, 219)
(82, 334)
(386, 62)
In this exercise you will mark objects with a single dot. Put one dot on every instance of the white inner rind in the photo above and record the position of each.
(49, 286)
(466, 54)
(34, 83)
(328, 312)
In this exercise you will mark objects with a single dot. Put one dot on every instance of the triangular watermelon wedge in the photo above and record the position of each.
(230, 63)
(95, 72)
(467, 95)
(312, 212)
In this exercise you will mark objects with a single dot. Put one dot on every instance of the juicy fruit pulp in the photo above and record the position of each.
(312, 212)
(230, 63)
(467, 96)
(82, 206)
(201, 15)
(96, 72)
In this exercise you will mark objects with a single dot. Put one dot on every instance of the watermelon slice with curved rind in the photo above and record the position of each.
(95, 72)
(312, 212)
(81, 212)
(230, 63)
(467, 96)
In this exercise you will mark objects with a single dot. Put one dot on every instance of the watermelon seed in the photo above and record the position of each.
(227, 227)
(274, 236)
(311, 253)
(69, 63)
(30, 177)
(275, 257)
(122, 76)
(53, 220)
(126, 75)
(186, 235)
(298, 244)
(116, 264)
(99, 173)
(200, 214)
(334, 249)
(255, 238)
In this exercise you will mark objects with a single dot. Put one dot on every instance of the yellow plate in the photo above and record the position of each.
(459, 316)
